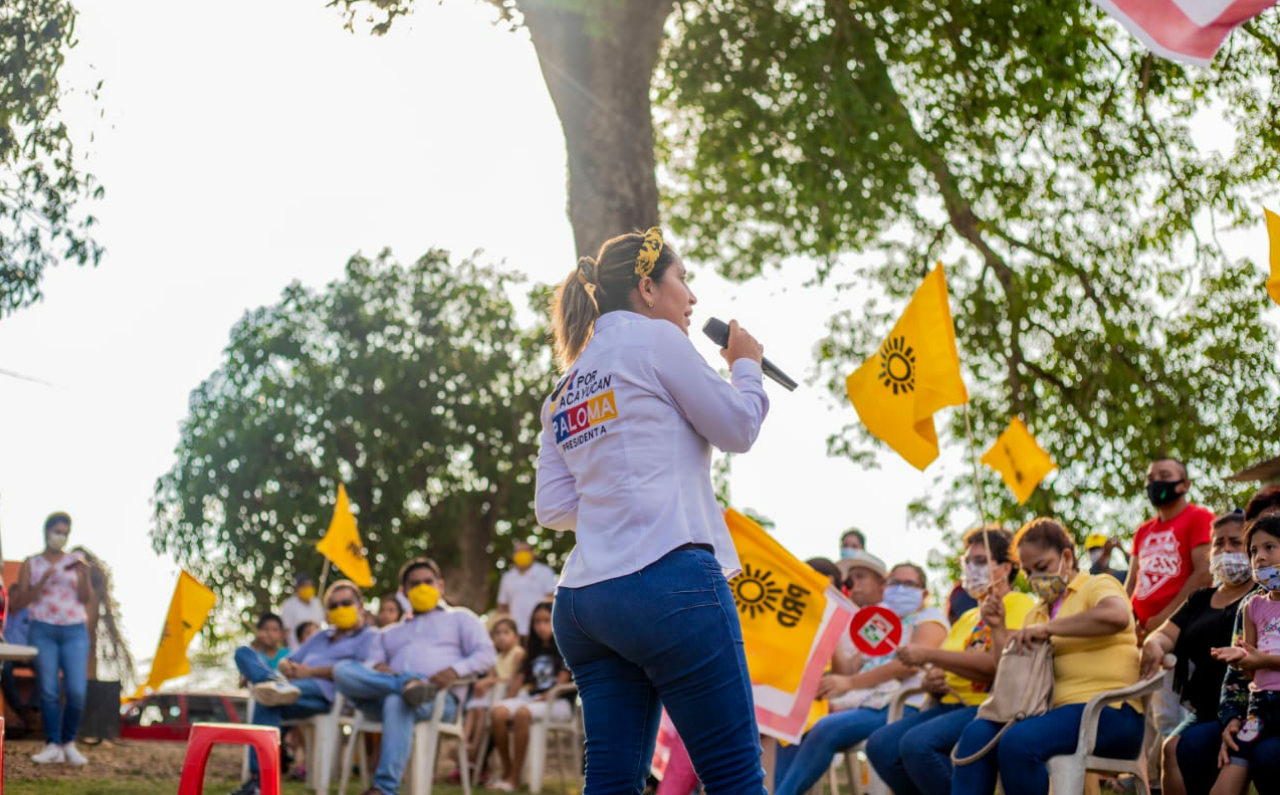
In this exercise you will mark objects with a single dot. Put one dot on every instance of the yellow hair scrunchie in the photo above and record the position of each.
(650, 250)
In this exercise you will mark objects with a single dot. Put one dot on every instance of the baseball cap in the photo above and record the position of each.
(1095, 540)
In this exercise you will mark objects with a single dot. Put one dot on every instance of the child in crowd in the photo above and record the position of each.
(502, 629)
(1259, 654)
(268, 641)
(305, 630)
(543, 668)
(389, 610)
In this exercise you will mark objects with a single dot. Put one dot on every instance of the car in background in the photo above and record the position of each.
(168, 716)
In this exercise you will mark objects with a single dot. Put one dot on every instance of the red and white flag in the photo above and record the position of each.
(1190, 31)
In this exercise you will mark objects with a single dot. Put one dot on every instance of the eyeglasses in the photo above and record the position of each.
(336, 605)
(906, 583)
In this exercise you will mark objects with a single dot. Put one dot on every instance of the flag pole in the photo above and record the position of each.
(324, 576)
(977, 493)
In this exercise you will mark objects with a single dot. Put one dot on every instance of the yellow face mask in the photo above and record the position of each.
(523, 558)
(423, 598)
(344, 617)
(307, 592)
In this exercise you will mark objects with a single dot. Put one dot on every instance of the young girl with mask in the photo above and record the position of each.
(1259, 655)
(1090, 622)
(1203, 623)
(543, 668)
(55, 586)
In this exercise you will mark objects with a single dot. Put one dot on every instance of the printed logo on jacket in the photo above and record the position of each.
(586, 402)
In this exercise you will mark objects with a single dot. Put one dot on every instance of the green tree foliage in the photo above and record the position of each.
(413, 385)
(1051, 161)
(40, 183)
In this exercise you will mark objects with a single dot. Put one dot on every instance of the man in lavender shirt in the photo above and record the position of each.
(302, 685)
(409, 662)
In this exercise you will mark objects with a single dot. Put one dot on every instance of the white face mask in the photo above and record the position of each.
(56, 541)
(976, 579)
(1232, 568)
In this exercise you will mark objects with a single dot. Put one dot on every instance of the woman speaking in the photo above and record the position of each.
(643, 613)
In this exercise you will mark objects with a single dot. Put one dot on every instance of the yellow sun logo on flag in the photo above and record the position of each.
(898, 365)
(755, 591)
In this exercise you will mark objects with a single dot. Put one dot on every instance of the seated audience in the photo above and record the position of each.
(302, 684)
(406, 664)
(506, 641)
(1201, 624)
(306, 629)
(860, 701)
(543, 668)
(1090, 622)
(913, 755)
(1258, 655)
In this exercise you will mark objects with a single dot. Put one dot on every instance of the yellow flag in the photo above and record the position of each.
(188, 611)
(915, 372)
(792, 619)
(1273, 233)
(1019, 460)
(341, 544)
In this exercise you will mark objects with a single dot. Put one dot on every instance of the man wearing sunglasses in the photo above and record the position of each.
(302, 685)
(408, 663)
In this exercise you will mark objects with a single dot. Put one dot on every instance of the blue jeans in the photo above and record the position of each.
(828, 737)
(377, 695)
(1023, 753)
(1197, 753)
(311, 702)
(65, 648)
(667, 635)
(253, 666)
(913, 755)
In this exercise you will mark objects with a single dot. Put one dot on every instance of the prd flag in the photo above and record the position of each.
(1019, 460)
(1273, 233)
(915, 373)
(792, 619)
(341, 543)
(1190, 31)
(188, 611)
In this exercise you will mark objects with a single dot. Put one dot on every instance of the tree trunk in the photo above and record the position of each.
(468, 584)
(597, 58)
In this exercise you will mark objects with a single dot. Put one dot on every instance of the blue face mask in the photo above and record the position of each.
(903, 600)
(848, 552)
(1268, 577)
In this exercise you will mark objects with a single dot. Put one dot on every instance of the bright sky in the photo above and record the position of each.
(244, 145)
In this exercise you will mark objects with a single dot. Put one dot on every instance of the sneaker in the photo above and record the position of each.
(52, 754)
(275, 693)
(417, 692)
(249, 787)
(73, 755)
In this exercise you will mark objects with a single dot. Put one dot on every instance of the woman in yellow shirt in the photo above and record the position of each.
(1090, 622)
(913, 754)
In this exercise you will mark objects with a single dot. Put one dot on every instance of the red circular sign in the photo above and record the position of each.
(876, 631)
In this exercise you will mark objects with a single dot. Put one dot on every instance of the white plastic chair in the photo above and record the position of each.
(547, 729)
(323, 737)
(420, 771)
(1067, 773)
(496, 693)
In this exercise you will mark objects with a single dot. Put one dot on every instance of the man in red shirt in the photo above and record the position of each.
(1171, 550)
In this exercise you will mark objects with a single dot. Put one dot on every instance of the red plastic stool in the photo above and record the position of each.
(264, 739)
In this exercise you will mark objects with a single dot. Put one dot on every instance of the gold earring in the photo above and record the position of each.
(650, 304)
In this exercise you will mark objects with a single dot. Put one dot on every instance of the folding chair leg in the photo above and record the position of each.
(348, 751)
(536, 756)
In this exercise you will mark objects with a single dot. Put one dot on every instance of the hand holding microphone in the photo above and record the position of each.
(736, 343)
(741, 345)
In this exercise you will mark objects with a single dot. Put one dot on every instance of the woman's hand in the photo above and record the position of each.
(1024, 638)
(833, 685)
(914, 654)
(741, 345)
(1228, 741)
(992, 611)
(1153, 658)
(1231, 655)
(935, 682)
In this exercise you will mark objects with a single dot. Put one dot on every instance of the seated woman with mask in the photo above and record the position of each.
(913, 755)
(863, 698)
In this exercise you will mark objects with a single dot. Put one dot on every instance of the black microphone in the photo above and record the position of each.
(718, 331)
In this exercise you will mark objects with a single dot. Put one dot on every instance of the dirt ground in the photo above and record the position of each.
(122, 760)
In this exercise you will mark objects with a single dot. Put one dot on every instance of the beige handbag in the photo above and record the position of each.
(1023, 688)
